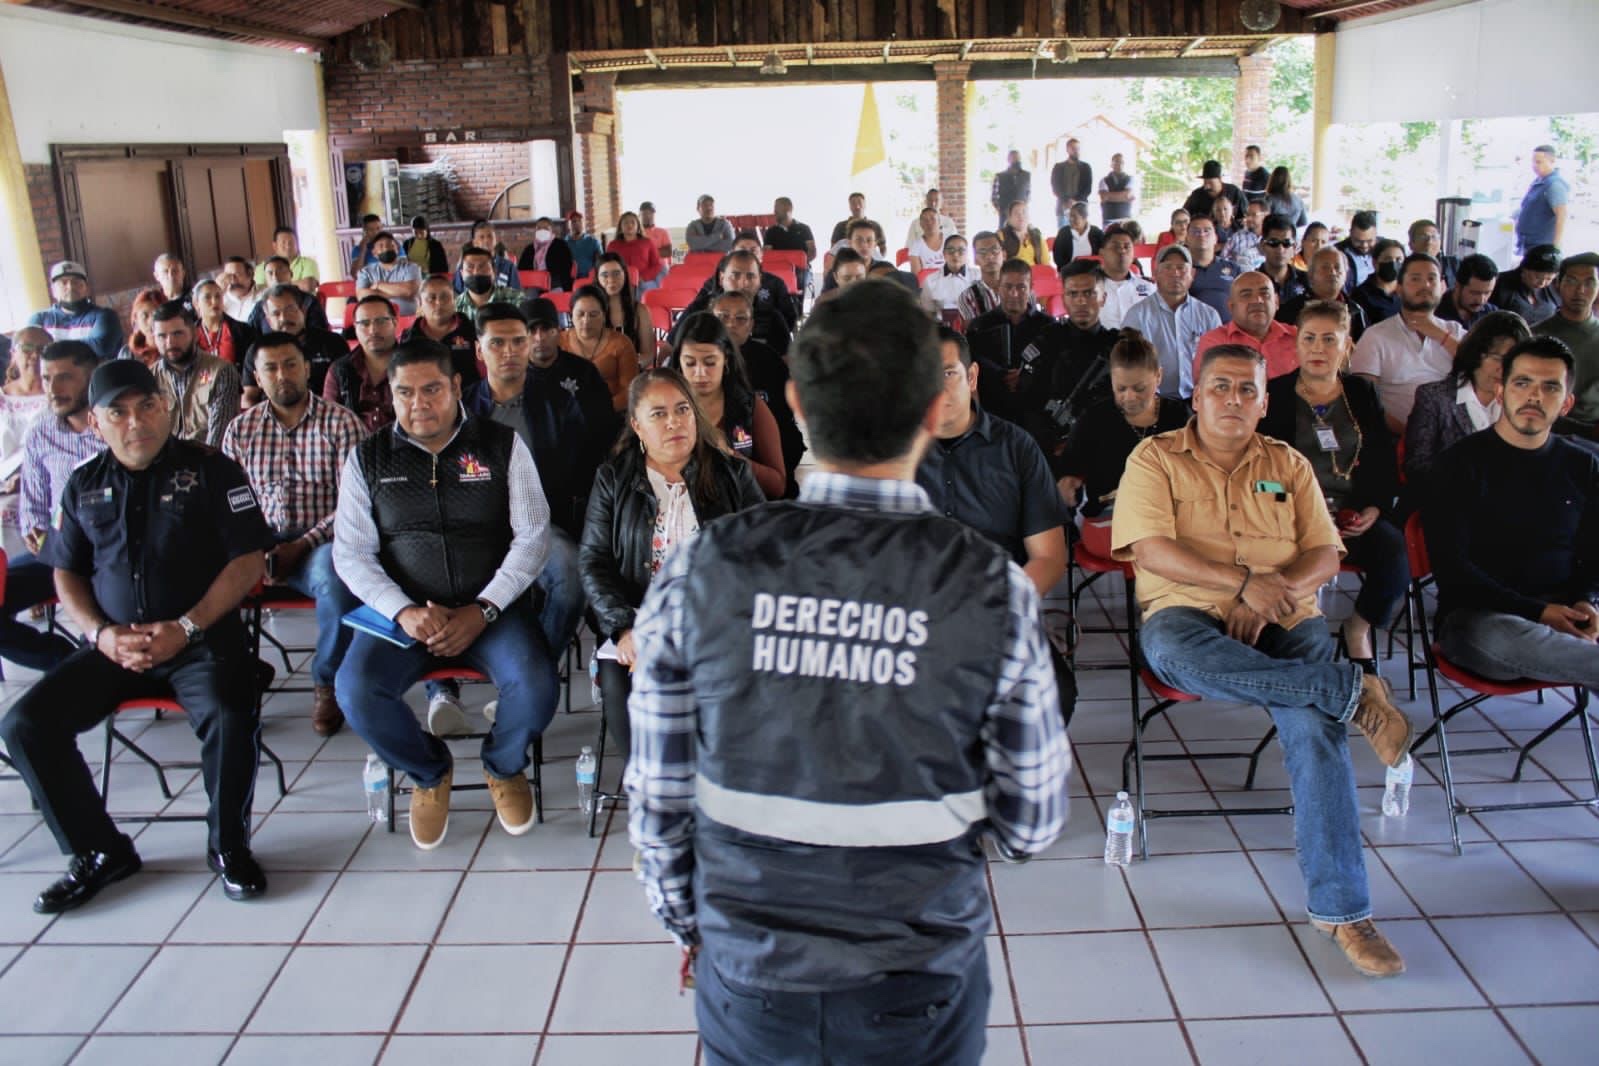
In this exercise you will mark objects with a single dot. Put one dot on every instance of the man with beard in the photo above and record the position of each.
(292, 448)
(201, 390)
(360, 379)
(76, 317)
(52, 447)
(1472, 296)
(283, 313)
(1411, 348)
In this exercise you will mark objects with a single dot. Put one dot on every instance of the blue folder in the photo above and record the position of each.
(365, 620)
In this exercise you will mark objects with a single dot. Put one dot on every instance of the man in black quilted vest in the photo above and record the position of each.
(441, 528)
(834, 701)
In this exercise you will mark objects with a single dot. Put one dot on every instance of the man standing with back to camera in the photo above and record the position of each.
(821, 861)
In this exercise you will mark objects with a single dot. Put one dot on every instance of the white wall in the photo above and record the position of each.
(79, 80)
(1486, 59)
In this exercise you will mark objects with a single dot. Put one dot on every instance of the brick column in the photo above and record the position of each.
(595, 125)
(951, 81)
(1251, 108)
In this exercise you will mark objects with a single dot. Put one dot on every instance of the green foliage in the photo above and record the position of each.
(1190, 120)
(1573, 140)
(1293, 78)
(1410, 137)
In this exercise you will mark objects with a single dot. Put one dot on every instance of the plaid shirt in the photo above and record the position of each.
(1024, 742)
(51, 450)
(295, 470)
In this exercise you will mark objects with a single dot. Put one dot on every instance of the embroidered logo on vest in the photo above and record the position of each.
(471, 469)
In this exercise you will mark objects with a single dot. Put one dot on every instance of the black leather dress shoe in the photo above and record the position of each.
(86, 875)
(242, 877)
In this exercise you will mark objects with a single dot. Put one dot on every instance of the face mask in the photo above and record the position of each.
(77, 307)
(388, 257)
(1388, 272)
(480, 284)
(541, 236)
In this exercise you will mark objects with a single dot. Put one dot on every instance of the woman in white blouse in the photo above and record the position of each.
(927, 250)
(22, 401)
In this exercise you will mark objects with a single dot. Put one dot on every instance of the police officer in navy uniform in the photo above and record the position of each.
(155, 542)
(835, 699)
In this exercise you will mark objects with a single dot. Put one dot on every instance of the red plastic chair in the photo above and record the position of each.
(794, 259)
(925, 273)
(902, 257)
(534, 279)
(329, 289)
(1046, 281)
(785, 273)
(403, 323)
(561, 300)
(706, 260)
(1480, 689)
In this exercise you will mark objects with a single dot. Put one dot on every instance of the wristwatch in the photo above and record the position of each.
(491, 613)
(193, 632)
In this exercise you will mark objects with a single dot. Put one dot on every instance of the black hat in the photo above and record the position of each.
(1544, 258)
(1212, 169)
(112, 379)
(540, 312)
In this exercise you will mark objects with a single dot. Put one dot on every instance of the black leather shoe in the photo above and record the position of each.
(86, 875)
(242, 877)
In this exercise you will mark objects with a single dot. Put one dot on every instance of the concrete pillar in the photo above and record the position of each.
(317, 232)
(1324, 191)
(950, 79)
(1251, 108)
(21, 238)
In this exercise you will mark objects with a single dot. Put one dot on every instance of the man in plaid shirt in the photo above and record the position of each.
(292, 448)
(834, 701)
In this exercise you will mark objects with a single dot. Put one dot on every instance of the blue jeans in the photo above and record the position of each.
(560, 586)
(906, 1017)
(1507, 647)
(1291, 673)
(375, 675)
(29, 582)
(317, 579)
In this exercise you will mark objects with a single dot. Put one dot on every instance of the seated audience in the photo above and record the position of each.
(1312, 240)
(741, 271)
(320, 347)
(592, 338)
(1335, 421)
(768, 375)
(1573, 324)
(627, 312)
(1020, 239)
(479, 284)
(277, 272)
(159, 619)
(857, 213)
(1212, 188)
(1378, 295)
(941, 290)
(708, 360)
(987, 474)
(585, 245)
(926, 249)
(445, 322)
(55, 444)
(1243, 247)
(1471, 297)
(74, 316)
(1253, 306)
(946, 225)
(452, 569)
(848, 268)
(982, 295)
(292, 448)
(1072, 371)
(218, 333)
(302, 268)
(1094, 455)
(1229, 613)
(658, 235)
(201, 391)
(141, 342)
(551, 366)
(1174, 320)
(1411, 348)
(1228, 222)
(505, 268)
(1276, 258)
(240, 294)
(1213, 276)
(1005, 342)
(548, 254)
(1325, 281)
(1359, 248)
(636, 251)
(359, 380)
(788, 234)
(170, 277)
(668, 475)
(707, 232)
(1280, 198)
(1511, 524)
(393, 276)
(1526, 289)
(1076, 238)
(362, 255)
(1465, 402)
(1426, 240)
(1123, 287)
(1178, 233)
(424, 249)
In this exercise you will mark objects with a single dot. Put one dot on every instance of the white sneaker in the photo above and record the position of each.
(446, 716)
(490, 709)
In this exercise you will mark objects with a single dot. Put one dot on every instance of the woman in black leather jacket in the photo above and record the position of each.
(668, 476)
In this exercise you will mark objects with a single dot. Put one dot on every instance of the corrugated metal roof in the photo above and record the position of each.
(290, 23)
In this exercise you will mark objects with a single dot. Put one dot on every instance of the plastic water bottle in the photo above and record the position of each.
(1396, 794)
(376, 779)
(594, 679)
(1327, 596)
(586, 764)
(1119, 832)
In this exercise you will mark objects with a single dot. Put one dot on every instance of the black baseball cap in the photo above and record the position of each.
(540, 312)
(1544, 258)
(1212, 169)
(112, 379)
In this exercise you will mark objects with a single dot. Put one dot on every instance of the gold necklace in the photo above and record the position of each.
(1319, 412)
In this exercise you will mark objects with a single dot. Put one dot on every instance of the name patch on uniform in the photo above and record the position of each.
(853, 640)
(391, 480)
(240, 499)
(472, 469)
(99, 496)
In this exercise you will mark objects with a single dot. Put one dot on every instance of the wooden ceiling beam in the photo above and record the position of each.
(173, 17)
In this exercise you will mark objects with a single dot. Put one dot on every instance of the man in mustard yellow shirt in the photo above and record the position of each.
(1230, 538)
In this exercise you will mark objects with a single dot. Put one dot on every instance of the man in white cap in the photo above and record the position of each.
(76, 317)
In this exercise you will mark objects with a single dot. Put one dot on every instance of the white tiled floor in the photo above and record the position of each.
(540, 950)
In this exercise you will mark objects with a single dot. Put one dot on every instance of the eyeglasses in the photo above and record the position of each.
(372, 323)
(1276, 242)
(32, 349)
(739, 319)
